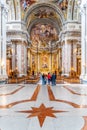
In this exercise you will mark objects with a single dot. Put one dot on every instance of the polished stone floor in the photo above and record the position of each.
(37, 107)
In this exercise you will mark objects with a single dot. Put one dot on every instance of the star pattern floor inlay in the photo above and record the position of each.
(59, 107)
(42, 112)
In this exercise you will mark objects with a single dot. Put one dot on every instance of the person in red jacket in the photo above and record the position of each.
(49, 78)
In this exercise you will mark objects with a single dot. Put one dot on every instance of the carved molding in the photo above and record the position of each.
(17, 36)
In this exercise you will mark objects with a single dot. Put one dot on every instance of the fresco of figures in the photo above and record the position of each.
(43, 33)
(61, 3)
(44, 12)
(26, 3)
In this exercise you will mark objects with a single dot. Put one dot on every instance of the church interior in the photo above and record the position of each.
(37, 38)
(47, 35)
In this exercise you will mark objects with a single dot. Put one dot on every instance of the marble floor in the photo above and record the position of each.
(37, 107)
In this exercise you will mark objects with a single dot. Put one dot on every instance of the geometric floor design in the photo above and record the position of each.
(37, 107)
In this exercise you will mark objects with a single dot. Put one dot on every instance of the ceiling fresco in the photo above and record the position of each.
(40, 21)
(42, 13)
(26, 3)
(43, 34)
(61, 3)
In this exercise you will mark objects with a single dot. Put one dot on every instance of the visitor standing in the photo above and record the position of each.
(53, 79)
(49, 78)
(43, 79)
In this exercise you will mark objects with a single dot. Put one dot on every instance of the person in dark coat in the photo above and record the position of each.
(53, 79)
(43, 79)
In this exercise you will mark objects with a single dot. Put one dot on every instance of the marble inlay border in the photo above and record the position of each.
(70, 90)
(33, 98)
(85, 124)
(52, 98)
(13, 92)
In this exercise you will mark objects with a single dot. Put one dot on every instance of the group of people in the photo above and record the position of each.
(49, 79)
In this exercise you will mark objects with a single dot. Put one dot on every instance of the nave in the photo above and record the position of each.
(37, 107)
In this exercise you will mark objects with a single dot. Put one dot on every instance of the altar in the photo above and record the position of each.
(45, 63)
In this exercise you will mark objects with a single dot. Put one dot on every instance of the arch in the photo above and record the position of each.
(50, 5)
(44, 20)
(14, 10)
(17, 9)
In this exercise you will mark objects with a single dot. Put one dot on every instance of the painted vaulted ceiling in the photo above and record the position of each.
(44, 18)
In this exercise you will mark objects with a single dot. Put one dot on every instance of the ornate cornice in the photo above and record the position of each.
(71, 22)
(17, 36)
(16, 22)
(71, 30)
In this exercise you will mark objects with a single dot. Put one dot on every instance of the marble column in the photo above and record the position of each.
(28, 62)
(22, 59)
(49, 62)
(14, 45)
(66, 58)
(0, 36)
(63, 60)
(74, 57)
(83, 75)
(59, 59)
(38, 62)
(3, 17)
(86, 43)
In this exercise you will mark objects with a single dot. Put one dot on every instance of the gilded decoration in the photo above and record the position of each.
(54, 61)
(41, 35)
(44, 61)
(43, 32)
(33, 62)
